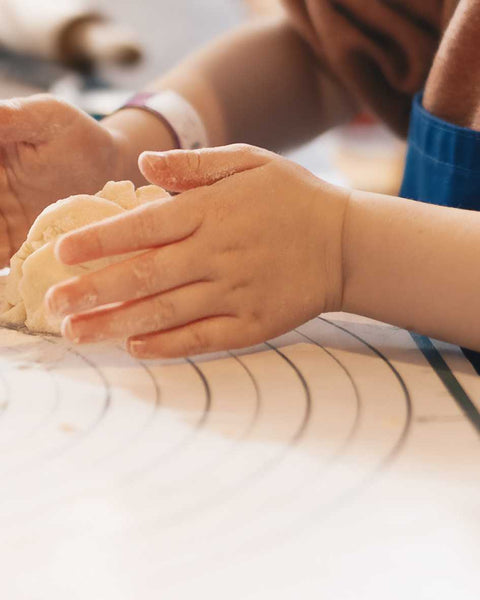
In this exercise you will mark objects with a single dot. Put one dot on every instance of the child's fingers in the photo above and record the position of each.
(164, 311)
(163, 221)
(154, 224)
(208, 335)
(144, 275)
(181, 170)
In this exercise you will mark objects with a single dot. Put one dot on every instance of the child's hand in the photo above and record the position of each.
(48, 150)
(250, 249)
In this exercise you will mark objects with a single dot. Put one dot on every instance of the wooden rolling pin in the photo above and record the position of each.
(66, 30)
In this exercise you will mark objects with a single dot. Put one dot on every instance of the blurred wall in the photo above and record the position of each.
(170, 29)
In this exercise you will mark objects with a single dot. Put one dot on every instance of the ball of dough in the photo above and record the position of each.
(35, 268)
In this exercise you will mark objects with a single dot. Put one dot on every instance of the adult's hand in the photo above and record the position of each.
(48, 150)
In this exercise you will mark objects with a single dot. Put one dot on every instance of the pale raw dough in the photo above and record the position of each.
(34, 268)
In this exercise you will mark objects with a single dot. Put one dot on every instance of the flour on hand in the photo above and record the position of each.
(35, 268)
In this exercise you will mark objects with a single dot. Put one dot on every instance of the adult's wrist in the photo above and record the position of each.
(133, 131)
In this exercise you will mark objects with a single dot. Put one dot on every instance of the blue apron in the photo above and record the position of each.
(443, 161)
(442, 167)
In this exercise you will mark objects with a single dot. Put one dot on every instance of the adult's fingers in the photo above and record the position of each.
(5, 241)
(164, 311)
(207, 335)
(143, 275)
(154, 224)
(181, 170)
(32, 119)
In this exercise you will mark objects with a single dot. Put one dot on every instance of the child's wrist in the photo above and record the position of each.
(345, 248)
(332, 210)
(350, 252)
(365, 251)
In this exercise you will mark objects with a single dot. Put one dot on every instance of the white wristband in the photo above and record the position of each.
(177, 114)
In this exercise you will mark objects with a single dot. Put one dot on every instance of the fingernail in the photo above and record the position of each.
(57, 302)
(68, 330)
(136, 347)
(150, 158)
(153, 153)
(62, 252)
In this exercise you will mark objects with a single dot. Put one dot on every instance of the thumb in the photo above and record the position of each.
(181, 170)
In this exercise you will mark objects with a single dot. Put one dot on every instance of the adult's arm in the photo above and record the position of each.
(260, 84)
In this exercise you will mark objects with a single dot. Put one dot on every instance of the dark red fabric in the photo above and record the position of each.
(383, 51)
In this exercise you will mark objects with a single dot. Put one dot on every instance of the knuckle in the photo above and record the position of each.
(193, 160)
(166, 163)
(243, 148)
(254, 152)
(44, 97)
(255, 316)
(240, 285)
(160, 265)
(92, 239)
(13, 103)
(231, 247)
(142, 227)
(49, 101)
(164, 312)
(145, 273)
(56, 101)
(87, 290)
(197, 342)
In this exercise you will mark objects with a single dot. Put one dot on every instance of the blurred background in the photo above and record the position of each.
(97, 55)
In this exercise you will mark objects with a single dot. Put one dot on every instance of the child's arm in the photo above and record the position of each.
(264, 247)
(414, 265)
(251, 253)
